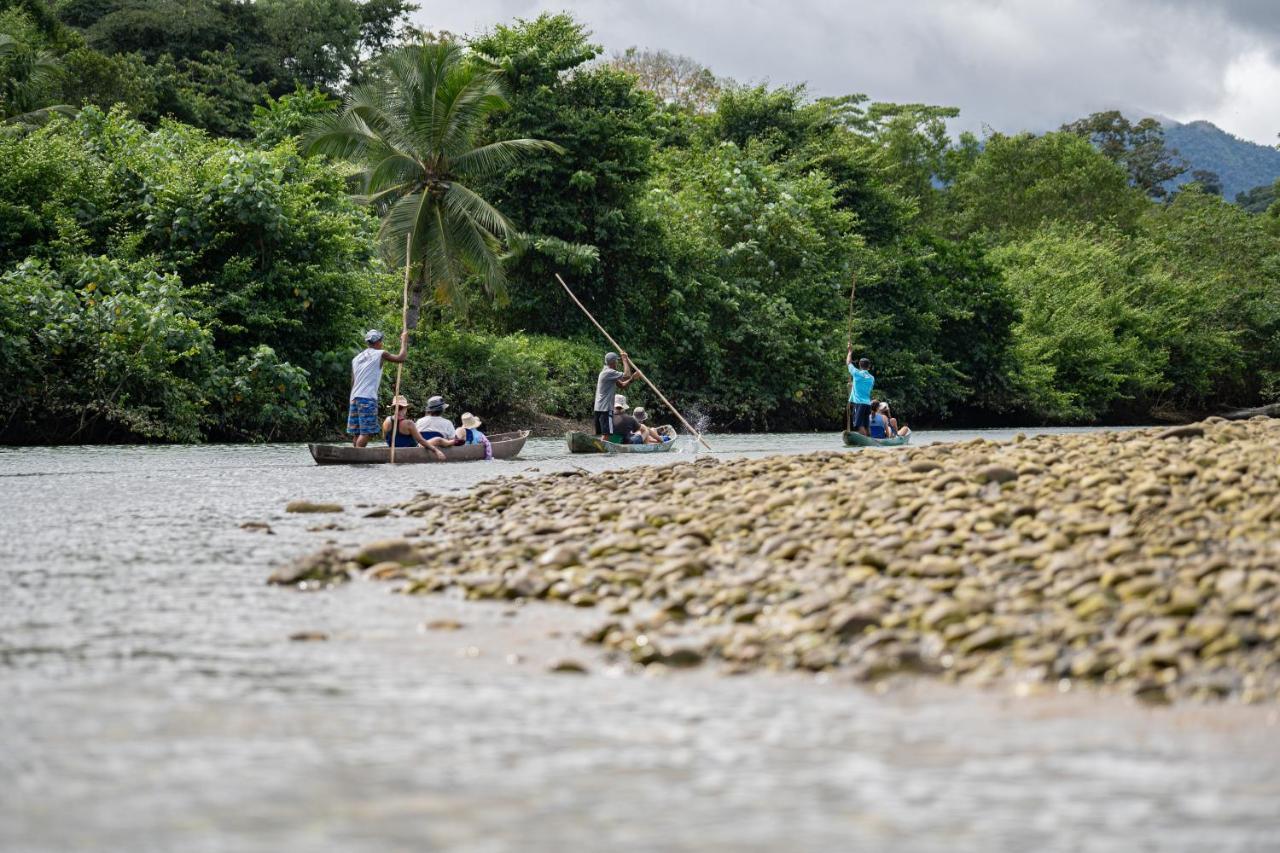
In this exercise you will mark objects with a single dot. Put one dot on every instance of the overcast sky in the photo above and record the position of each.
(1007, 64)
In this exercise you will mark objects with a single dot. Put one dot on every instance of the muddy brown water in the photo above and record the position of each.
(151, 699)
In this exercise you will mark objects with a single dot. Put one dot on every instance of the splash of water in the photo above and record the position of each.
(700, 420)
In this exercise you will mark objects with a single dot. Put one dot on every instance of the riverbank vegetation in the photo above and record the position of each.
(173, 266)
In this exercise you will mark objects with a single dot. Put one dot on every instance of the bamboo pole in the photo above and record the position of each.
(404, 327)
(848, 423)
(640, 373)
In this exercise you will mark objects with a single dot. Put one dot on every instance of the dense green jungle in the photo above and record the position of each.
(185, 255)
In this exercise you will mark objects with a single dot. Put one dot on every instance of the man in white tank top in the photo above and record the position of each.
(366, 376)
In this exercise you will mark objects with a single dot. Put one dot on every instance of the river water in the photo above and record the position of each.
(151, 699)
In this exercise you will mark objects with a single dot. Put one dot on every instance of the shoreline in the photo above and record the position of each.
(543, 425)
(1139, 561)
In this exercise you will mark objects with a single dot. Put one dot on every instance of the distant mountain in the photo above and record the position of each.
(1241, 164)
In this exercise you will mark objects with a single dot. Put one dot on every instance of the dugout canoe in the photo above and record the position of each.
(506, 445)
(857, 439)
(581, 442)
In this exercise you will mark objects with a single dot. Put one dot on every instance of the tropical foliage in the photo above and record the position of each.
(177, 267)
(413, 131)
(166, 284)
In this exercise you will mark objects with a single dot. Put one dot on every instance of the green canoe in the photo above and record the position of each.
(857, 439)
(580, 442)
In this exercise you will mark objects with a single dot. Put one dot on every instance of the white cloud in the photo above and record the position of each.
(1251, 85)
(1009, 64)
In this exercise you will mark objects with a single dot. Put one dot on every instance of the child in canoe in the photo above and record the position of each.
(469, 433)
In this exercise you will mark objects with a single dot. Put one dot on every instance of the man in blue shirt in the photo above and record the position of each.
(860, 394)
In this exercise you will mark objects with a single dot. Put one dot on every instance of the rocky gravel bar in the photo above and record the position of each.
(1143, 561)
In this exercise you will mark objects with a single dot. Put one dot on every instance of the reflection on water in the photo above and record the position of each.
(150, 699)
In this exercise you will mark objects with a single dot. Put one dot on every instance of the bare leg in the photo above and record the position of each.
(360, 441)
(434, 445)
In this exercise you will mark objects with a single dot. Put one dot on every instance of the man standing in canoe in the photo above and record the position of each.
(860, 393)
(607, 385)
(366, 376)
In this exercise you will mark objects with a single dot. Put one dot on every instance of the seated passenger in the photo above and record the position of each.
(434, 424)
(469, 433)
(405, 432)
(648, 434)
(879, 425)
(625, 427)
(894, 428)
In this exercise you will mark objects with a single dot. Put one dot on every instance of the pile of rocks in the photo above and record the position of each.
(1146, 560)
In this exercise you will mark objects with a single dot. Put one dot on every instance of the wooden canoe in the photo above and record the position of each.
(506, 445)
(581, 442)
(857, 439)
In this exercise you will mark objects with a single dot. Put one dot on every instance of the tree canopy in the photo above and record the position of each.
(414, 131)
(189, 268)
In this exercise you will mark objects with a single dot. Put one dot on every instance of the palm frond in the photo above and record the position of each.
(498, 156)
(37, 118)
(381, 200)
(344, 135)
(403, 218)
(441, 263)
(461, 201)
(477, 252)
(393, 169)
(413, 131)
(467, 96)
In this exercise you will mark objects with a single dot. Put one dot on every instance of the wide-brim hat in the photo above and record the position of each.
(400, 401)
(619, 401)
(470, 421)
(640, 414)
(436, 404)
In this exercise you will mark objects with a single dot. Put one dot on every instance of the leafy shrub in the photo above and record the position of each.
(501, 375)
(260, 253)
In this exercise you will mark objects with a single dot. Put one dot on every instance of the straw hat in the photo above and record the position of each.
(399, 401)
(470, 421)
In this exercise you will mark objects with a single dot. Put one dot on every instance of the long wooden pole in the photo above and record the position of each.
(848, 423)
(614, 343)
(404, 327)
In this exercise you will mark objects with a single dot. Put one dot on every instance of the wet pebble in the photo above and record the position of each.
(1142, 561)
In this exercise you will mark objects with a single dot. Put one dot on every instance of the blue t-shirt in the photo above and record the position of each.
(862, 384)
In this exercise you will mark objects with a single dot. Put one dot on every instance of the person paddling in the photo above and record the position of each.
(860, 394)
(366, 376)
(607, 385)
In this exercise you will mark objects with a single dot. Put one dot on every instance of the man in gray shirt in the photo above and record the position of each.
(611, 379)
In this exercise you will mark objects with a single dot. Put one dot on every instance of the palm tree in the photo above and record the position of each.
(414, 130)
(30, 74)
